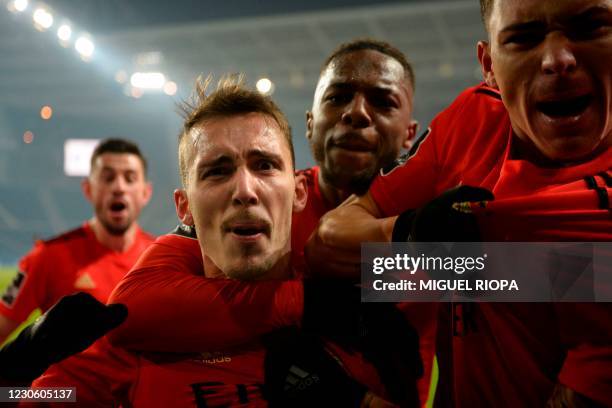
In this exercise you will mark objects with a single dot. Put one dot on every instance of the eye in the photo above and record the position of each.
(339, 98)
(216, 172)
(589, 29)
(265, 165)
(524, 39)
(383, 102)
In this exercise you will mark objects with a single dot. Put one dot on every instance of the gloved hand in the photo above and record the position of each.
(440, 220)
(70, 326)
(300, 372)
(333, 309)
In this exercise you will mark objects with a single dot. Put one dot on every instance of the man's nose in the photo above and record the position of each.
(356, 113)
(245, 188)
(558, 56)
(119, 185)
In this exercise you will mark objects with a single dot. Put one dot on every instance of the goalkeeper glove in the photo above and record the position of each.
(70, 326)
(440, 220)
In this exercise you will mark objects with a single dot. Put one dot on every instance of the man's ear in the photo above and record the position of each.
(86, 188)
(411, 132)
(486, 64)
(301, 193)
(147, 193)
(181, 203)
(308, 125)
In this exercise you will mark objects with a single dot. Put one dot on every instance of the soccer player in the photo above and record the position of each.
(360, 120)
(537, 136)
(239, 193)
(93, 257)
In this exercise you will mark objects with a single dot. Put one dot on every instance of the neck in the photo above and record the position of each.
(120, 243)
(333, 195)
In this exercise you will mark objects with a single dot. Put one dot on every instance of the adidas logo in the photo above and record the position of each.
(299, 380)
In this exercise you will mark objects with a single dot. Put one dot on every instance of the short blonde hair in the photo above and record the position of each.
(231, 98)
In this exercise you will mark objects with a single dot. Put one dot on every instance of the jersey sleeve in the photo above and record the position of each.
(26, 291)
(102, 376)
(459, 148)
(176, 310)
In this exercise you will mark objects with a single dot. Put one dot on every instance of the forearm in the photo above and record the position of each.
(334, 249)
(355, 221)
(179, 312)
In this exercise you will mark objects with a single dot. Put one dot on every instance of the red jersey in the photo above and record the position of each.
(237, 311)
(230, 377)
(106, 376)
(304, 222)
(72, 262)
(512, 354)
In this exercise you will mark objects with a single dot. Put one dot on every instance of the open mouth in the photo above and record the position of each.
(565, 108)
(117, 207)
(248, 231)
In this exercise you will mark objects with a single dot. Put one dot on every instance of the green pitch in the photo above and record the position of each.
(7, 273)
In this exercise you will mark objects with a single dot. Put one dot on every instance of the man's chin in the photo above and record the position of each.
(116, 229)
(248, 271)
(357, 181)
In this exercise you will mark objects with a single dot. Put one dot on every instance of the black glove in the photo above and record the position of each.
(300, 372)
(333, 309)
(440, 221)
(70, 326)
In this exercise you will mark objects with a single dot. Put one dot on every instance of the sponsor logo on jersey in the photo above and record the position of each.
(84, 281)
(299, 380)
(12, 291)
(214, 357)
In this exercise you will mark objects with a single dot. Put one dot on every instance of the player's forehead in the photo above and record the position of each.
(364, 69)
(239, 137)
(507, 14)
(117, 162)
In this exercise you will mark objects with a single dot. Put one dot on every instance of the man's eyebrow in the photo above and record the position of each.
(215, 161)
(264, 154)
(347, 85)
(592, 12)
(525, 26)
